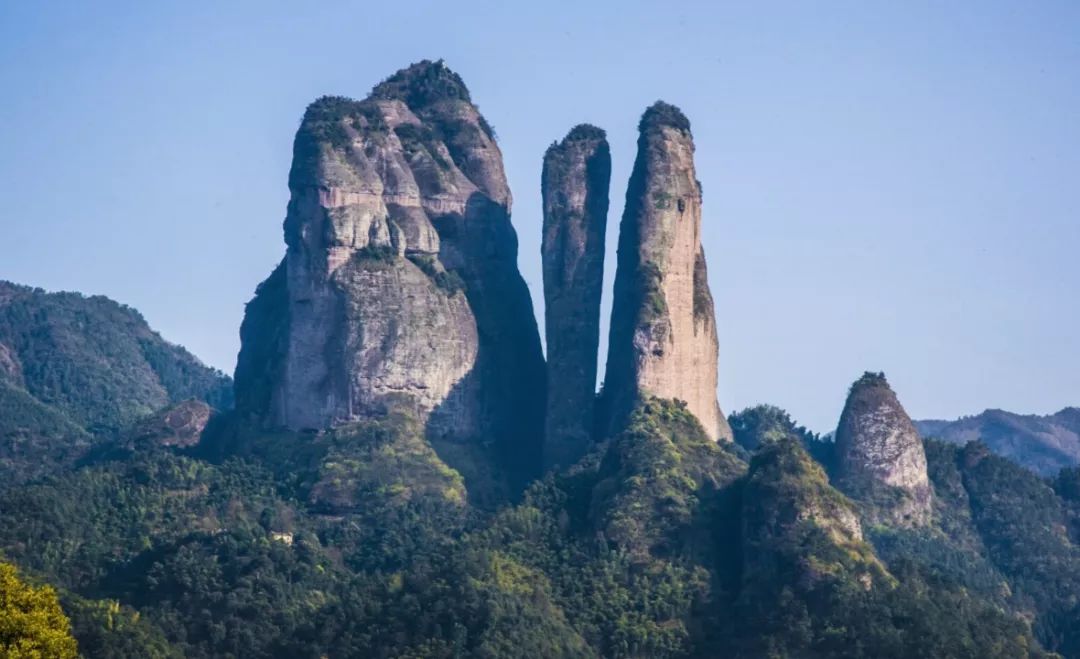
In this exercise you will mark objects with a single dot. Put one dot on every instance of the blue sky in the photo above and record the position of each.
(888, 186)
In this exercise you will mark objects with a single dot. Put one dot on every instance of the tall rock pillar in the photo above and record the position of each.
(663, 328)
(575, 182)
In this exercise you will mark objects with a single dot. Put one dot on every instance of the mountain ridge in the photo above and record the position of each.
(1043, 443)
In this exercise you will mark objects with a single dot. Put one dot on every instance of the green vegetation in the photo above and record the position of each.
(426, 84)
(326, 126)
(373, 254)
(585, 132)
(32, 625)
(664, 114)
(1024, 525)
(97, 361)
(364, 542)
(1000, 534)
(654, 303)
(325, 120)
(764, 424)
(81, 370)
(703, 301)
(869, 379)
(418, 139)
(105, 629)
(35, 439)
(813, 588)
(423, 83)
(652, 477)
(446, 280)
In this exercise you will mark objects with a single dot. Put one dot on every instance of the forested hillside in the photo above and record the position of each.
(74, 369)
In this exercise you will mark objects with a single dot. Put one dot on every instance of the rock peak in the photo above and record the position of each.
(878, 447)
(399, 290)
(574, 186)
(661, 114)
(663, 340)
(423, 83)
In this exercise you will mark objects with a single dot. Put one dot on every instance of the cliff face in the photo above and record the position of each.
(399, 288)
(663, 328)
(880, 456)
(575, 182)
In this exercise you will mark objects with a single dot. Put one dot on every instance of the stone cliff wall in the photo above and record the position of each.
(399, 287)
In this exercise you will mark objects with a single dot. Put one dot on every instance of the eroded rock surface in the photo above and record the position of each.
(399, 288)
(10, 368)
(575, 183)
(881, 459)
(180, 425)
(663, 328)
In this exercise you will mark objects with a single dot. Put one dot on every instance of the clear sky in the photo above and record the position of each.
(888, 186)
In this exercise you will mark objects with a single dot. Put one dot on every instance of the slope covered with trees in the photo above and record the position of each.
(76, 368)
(660, 543)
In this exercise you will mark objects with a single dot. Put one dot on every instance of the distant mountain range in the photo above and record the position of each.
(1044, 444)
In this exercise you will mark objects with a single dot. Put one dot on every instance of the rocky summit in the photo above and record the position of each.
(399, 289)
(880, 456)
(663, 328)
(575, 182)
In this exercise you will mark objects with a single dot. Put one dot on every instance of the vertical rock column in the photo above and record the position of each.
(663, 329)
(575, 183)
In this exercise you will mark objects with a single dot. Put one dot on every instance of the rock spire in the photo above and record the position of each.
(663, 328)
(575, 182)
(879, 451)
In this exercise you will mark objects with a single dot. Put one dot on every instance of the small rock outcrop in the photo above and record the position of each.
(399, 288)
(575, 182)
(179, 426)
(880, 458)
(10, 368)
(663, 328)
